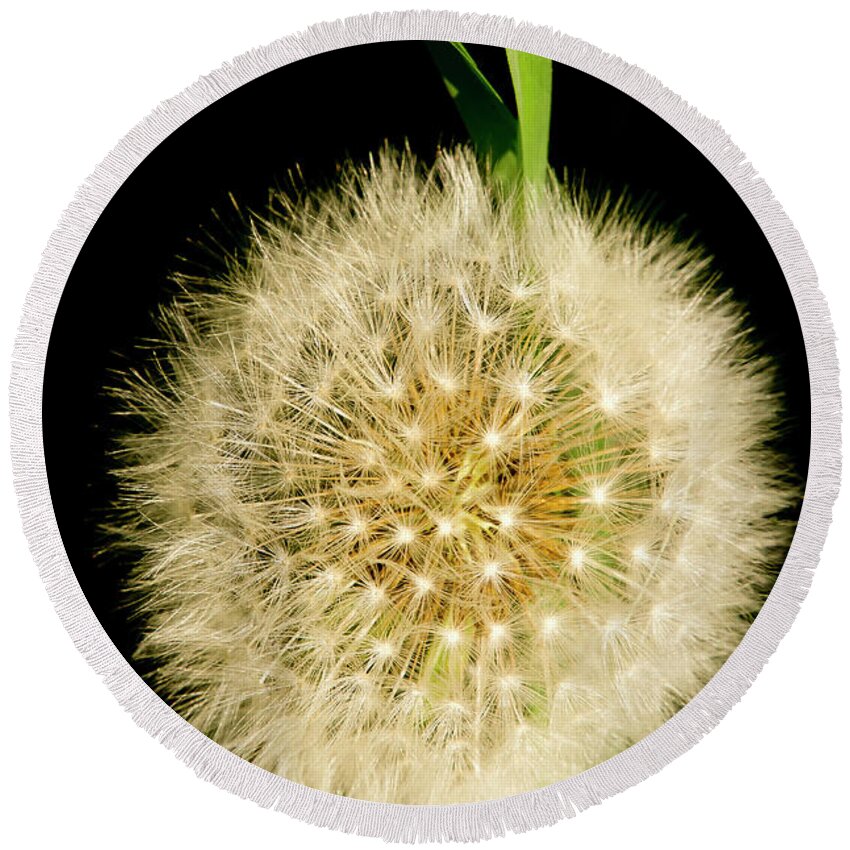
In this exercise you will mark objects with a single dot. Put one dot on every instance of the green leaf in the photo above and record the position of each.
(493, 129)
(532, 79)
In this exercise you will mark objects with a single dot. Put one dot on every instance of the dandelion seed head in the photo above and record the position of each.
(393, 486)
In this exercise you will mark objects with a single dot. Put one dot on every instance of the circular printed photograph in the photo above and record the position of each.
(426, 422)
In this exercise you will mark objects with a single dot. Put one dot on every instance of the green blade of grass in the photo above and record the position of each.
(492, 128)
(532, 79)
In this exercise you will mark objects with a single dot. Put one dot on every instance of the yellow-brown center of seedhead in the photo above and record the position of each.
(443, 492)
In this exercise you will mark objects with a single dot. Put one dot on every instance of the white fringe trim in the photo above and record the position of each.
(393, 822)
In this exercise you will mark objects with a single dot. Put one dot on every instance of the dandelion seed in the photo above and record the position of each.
(316, 515)
(550, 626)
(491, 570)
(357, 526)
(383, 650)
(612, 629)
(448, 383)
(498, 633)
(509, 683)
(523, 390)
(599, 494)
(655, 450)
(640, 555)
(413, 433)
(577, 557)
(394, 390)
(564, 332)
(660, 619)
(394, 484)
(507, 518)
(423, 584)
(519, 291)
(492, 439)
(446, 527)
(369, 457)
(609, 400)
(486, 325)
(404, 535)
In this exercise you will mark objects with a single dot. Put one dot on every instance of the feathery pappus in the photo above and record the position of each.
(436, 507)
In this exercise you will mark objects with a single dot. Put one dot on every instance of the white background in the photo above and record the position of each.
(75, 78)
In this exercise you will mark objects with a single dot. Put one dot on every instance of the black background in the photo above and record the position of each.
(174, 214)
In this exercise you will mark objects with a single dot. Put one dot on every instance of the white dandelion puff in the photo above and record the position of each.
(421, 494)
